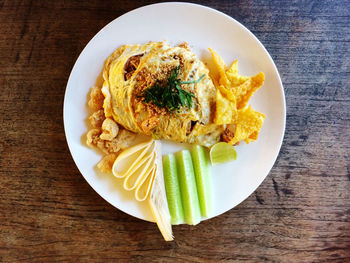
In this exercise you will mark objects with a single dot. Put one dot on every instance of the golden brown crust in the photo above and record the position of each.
(110, 130)
(228, 133)
(106, 163)
(96, 119)
(123, 140)
(105, 133)
(96, 99)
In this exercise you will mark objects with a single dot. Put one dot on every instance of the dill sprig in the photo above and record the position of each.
(170, 95)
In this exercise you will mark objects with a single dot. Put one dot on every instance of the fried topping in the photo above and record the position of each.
(110, 130)
(96, 99)
(228, 133)
(106, 163)
(97, 118)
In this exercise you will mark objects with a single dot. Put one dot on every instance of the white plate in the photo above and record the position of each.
(201, 27)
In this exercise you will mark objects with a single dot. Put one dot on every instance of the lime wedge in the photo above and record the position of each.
(222, 152)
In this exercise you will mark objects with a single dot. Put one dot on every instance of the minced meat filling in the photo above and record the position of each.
(131, 65)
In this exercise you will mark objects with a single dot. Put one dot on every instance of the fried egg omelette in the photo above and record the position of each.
(214, 112)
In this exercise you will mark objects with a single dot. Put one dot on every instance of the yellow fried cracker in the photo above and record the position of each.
(252, 137)
(233, 77)
(244, 91)
(227, 93)
(225, 110)
(221, 67)
(233, 70)
(248, 125)
(242, 87)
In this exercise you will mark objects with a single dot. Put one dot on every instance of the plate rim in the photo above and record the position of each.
(217, 13)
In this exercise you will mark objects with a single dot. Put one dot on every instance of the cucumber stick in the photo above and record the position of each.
(172, 189)
(189, 195)
(203, 179)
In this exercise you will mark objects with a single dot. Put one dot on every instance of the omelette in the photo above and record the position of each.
(215, 109)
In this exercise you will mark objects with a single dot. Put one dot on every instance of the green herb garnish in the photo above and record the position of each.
(170, 95)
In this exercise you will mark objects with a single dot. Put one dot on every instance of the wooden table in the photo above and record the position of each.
(301, 212)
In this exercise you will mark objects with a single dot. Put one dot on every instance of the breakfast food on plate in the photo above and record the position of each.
(162, 91)
(167, 93)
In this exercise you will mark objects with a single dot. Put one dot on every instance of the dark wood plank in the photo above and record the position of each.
(301, 212)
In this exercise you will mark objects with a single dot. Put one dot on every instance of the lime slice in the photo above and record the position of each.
(188, 187)
(222, 152)
(172, 189)
(203, 178)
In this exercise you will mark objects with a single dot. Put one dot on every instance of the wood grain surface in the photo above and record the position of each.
(301, 212)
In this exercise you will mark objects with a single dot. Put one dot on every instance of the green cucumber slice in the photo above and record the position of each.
(203, 178)
(172, 188)
(188, 187)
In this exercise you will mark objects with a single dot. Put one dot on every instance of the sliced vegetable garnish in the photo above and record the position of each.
(158, 200)
(173, 189)
(222, 152)
(203, 178)
(141, 169)
(188, 187)
(159, 206)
